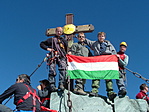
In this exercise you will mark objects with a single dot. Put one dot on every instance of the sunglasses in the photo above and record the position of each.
(81, 36)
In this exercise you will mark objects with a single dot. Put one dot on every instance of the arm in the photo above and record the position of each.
(113, 51)
(7, 93)
(125, 62)
(43, 93)
(47, 45)
(89, 42)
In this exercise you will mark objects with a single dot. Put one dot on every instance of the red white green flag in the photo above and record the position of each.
(96, 67)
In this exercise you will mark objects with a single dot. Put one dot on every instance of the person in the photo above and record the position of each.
(44, 93)
(143, 93)
(58, 49)
(122, 61)
(101, 47)
(80, 49)
(25, 97)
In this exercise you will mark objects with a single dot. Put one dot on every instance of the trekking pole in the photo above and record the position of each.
(39, 66)
(8, 99)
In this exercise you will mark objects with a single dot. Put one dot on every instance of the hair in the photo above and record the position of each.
(142, 86)
(101, 33)
(81, 33)
(25, 77)
(45, 82)
(58, 28)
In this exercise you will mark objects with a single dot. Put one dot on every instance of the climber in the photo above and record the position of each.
(122, 61)
(44, 93)
(143, 93)
(57, 46)
(25, 97)
(102, 47)
(80, 49)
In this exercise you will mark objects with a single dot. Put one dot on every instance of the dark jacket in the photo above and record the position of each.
(45, 94)
(55, 44)
(19, 90)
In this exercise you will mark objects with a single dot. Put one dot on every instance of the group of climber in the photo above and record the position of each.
(25, 97)
(99, 47)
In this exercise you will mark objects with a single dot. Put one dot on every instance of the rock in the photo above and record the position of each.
(130, 105)
(95, 104)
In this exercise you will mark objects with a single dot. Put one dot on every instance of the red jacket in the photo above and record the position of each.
(142, 95)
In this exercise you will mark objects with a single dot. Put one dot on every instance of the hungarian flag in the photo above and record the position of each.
(95, 67)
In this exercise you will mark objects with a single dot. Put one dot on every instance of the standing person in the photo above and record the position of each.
(25, 97)
(44, 93)
(80, 49)
(123, 61)
(58, 49)
(101, 47)
(143, 93)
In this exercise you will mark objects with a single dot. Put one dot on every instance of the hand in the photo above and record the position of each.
(118, 56)
(69, 53)
(39, 87)
(50, 49)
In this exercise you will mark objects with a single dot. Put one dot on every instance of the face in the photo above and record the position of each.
(101, 38)
(123, 48)
(81, 37)
(146, 88)
(59, 31)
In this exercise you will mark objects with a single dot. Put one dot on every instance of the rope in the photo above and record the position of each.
(138, 75)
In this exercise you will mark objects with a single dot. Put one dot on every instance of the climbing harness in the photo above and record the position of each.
(27, 95)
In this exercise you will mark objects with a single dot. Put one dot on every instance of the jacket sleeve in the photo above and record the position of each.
(46, 44)
(43, 93)
(112, 49)
(89, 42)
(7, 93)
(125, 62)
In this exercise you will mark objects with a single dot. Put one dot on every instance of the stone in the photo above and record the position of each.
(82, 103)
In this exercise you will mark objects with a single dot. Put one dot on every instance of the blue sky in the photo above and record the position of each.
(23, 24)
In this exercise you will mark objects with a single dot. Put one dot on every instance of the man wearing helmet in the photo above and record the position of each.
(123, 61)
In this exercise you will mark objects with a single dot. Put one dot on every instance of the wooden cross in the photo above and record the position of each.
(69, 20)
(82, 28)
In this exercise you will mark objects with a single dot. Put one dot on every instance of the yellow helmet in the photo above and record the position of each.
(123, 43)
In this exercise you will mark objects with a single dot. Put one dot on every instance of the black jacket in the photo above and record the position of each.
(45, 94)
(19, 90)
(54, 44)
